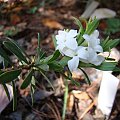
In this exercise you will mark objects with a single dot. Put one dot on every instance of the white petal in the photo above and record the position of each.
(62, 33)
(60, 38)
(86, 37)
(71, 43)
(92, 55)
(73, 63)
(98, 61)
(72, 33)
(68, 52)
(95, 34)
(82, 52)
(98, 48)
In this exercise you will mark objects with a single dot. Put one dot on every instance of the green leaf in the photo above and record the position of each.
(63, 62)
(77, 21)
(55, 66)
(86, 76)
(6, 64)
(44, 67)
(42, 73)
(40, 53)
(109, 44)
(15, 49)
(50, 58)
(107, 66)
(4, 55)
(116, 69)
(54, 56)
(27, 80)
(7, 91)
(91, 26)
(113, 26)
(14, 96)
(81, 31)
(9, 76)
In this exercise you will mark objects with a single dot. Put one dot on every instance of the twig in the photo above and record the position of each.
(87, 109)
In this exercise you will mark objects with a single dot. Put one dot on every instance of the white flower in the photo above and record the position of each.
(93, 41)
(73, 63)
(88, 55)
(67, 45)
(66, 42)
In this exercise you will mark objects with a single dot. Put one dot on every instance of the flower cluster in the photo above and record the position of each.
(68, 46)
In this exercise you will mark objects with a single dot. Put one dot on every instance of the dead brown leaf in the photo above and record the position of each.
(80, 95)
(70, 103)
(53, 24)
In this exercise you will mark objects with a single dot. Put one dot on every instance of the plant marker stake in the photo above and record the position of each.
(107, 93)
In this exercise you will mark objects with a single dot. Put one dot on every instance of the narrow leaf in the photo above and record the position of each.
(14, 96)
(27, 80)
(4, 55)
(46, 79)
(7, 91)
(106, 66)
(86, 76)
(15, 50)
(55, 66)
(54, 56)
(9, 76)
(91, 26)
(64, 61)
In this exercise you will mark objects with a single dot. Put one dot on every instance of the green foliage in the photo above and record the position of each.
(108, 44)
(27, 80)
(107, 66)
(86, 76)
(113, 26)
(81, 31)
(54, 65)
(54, 62)
(91, 26)
(6, 90)
(4, 55)
(9, 76)
(16, 50)
(14, 96)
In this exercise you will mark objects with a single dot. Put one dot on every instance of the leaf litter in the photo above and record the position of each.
(48, 104)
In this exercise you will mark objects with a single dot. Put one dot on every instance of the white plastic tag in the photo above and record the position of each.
(107, 92)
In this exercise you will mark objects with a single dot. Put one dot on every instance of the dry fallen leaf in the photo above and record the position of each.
(70, 103)
(53, 24)
(80, 95)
